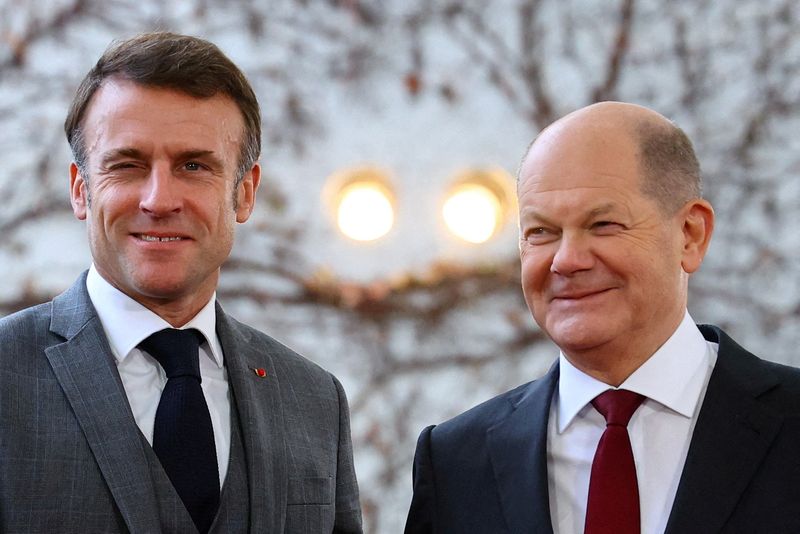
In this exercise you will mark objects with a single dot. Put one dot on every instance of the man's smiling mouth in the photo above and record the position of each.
(146, 237)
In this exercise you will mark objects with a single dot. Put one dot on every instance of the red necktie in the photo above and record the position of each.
(613, 505)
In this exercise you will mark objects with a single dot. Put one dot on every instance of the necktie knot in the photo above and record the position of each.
(176, 351)
(617, 405)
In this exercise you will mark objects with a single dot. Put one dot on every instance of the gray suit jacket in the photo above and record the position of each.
(72, 458)
(486, 470)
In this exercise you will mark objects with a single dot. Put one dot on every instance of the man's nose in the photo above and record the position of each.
(574, 254)
(161, 192)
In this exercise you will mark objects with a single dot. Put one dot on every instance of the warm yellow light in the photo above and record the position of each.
(473, 212)
(365, 211)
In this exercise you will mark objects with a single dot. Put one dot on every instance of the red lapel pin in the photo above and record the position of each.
(260, 373)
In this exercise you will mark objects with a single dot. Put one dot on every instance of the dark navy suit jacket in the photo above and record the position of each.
(485, 471)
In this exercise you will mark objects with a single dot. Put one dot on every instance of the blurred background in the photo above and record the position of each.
(384, 245)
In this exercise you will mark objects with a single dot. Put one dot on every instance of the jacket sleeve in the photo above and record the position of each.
(348, 508)
(423, 502)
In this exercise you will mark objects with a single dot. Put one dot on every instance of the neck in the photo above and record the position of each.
(613, 375)
(175, 305)
(176, 312)
(613, 362)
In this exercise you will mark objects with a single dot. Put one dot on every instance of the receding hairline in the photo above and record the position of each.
(120, 80)
(668, 168)
(626, 117)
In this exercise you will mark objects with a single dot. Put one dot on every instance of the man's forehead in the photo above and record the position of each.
(606, 131)
(579, 192)
(117, 137)
(581, 158)
(586, 208)
(117, 92)
(582, 143)
(121, 104)
(142, 123)
(580, 177)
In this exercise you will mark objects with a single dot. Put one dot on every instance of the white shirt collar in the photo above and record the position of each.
(673, 376)
(127, 323)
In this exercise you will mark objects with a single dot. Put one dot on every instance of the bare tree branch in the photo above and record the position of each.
(607, 90)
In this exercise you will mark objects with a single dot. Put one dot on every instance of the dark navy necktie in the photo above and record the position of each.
(183, 438)
(613, 504)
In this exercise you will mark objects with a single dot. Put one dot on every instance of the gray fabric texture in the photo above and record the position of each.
(72, 459)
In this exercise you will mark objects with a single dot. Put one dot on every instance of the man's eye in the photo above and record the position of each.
(192, 166)
(538, 234)
(123, 165)
(606, 226)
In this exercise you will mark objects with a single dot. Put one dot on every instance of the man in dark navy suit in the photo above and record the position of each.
(612, 224)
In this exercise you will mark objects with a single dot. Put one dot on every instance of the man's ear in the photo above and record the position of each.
(78, 192)
(246, 193)
(698, 225)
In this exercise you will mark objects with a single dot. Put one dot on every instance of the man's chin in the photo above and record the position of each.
(579, 337)
(160, 288)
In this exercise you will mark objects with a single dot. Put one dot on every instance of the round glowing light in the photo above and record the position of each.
(473, 212)
(365, 211)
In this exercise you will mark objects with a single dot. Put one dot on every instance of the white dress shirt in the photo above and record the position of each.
(126, 323)
(674, 382)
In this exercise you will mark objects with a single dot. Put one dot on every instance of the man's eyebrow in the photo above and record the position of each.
(189, 154)
(603, 209)
(207, 155)
(117, 153)
(531, 214)
(135, 153)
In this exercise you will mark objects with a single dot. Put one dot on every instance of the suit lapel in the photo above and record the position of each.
(732, 434)
(260, 410)
(84, 367)
(518, 451)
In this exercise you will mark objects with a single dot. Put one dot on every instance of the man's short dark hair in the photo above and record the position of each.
(166, 60)
(670, 170)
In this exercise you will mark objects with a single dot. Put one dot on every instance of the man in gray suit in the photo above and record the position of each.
(165, 132)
